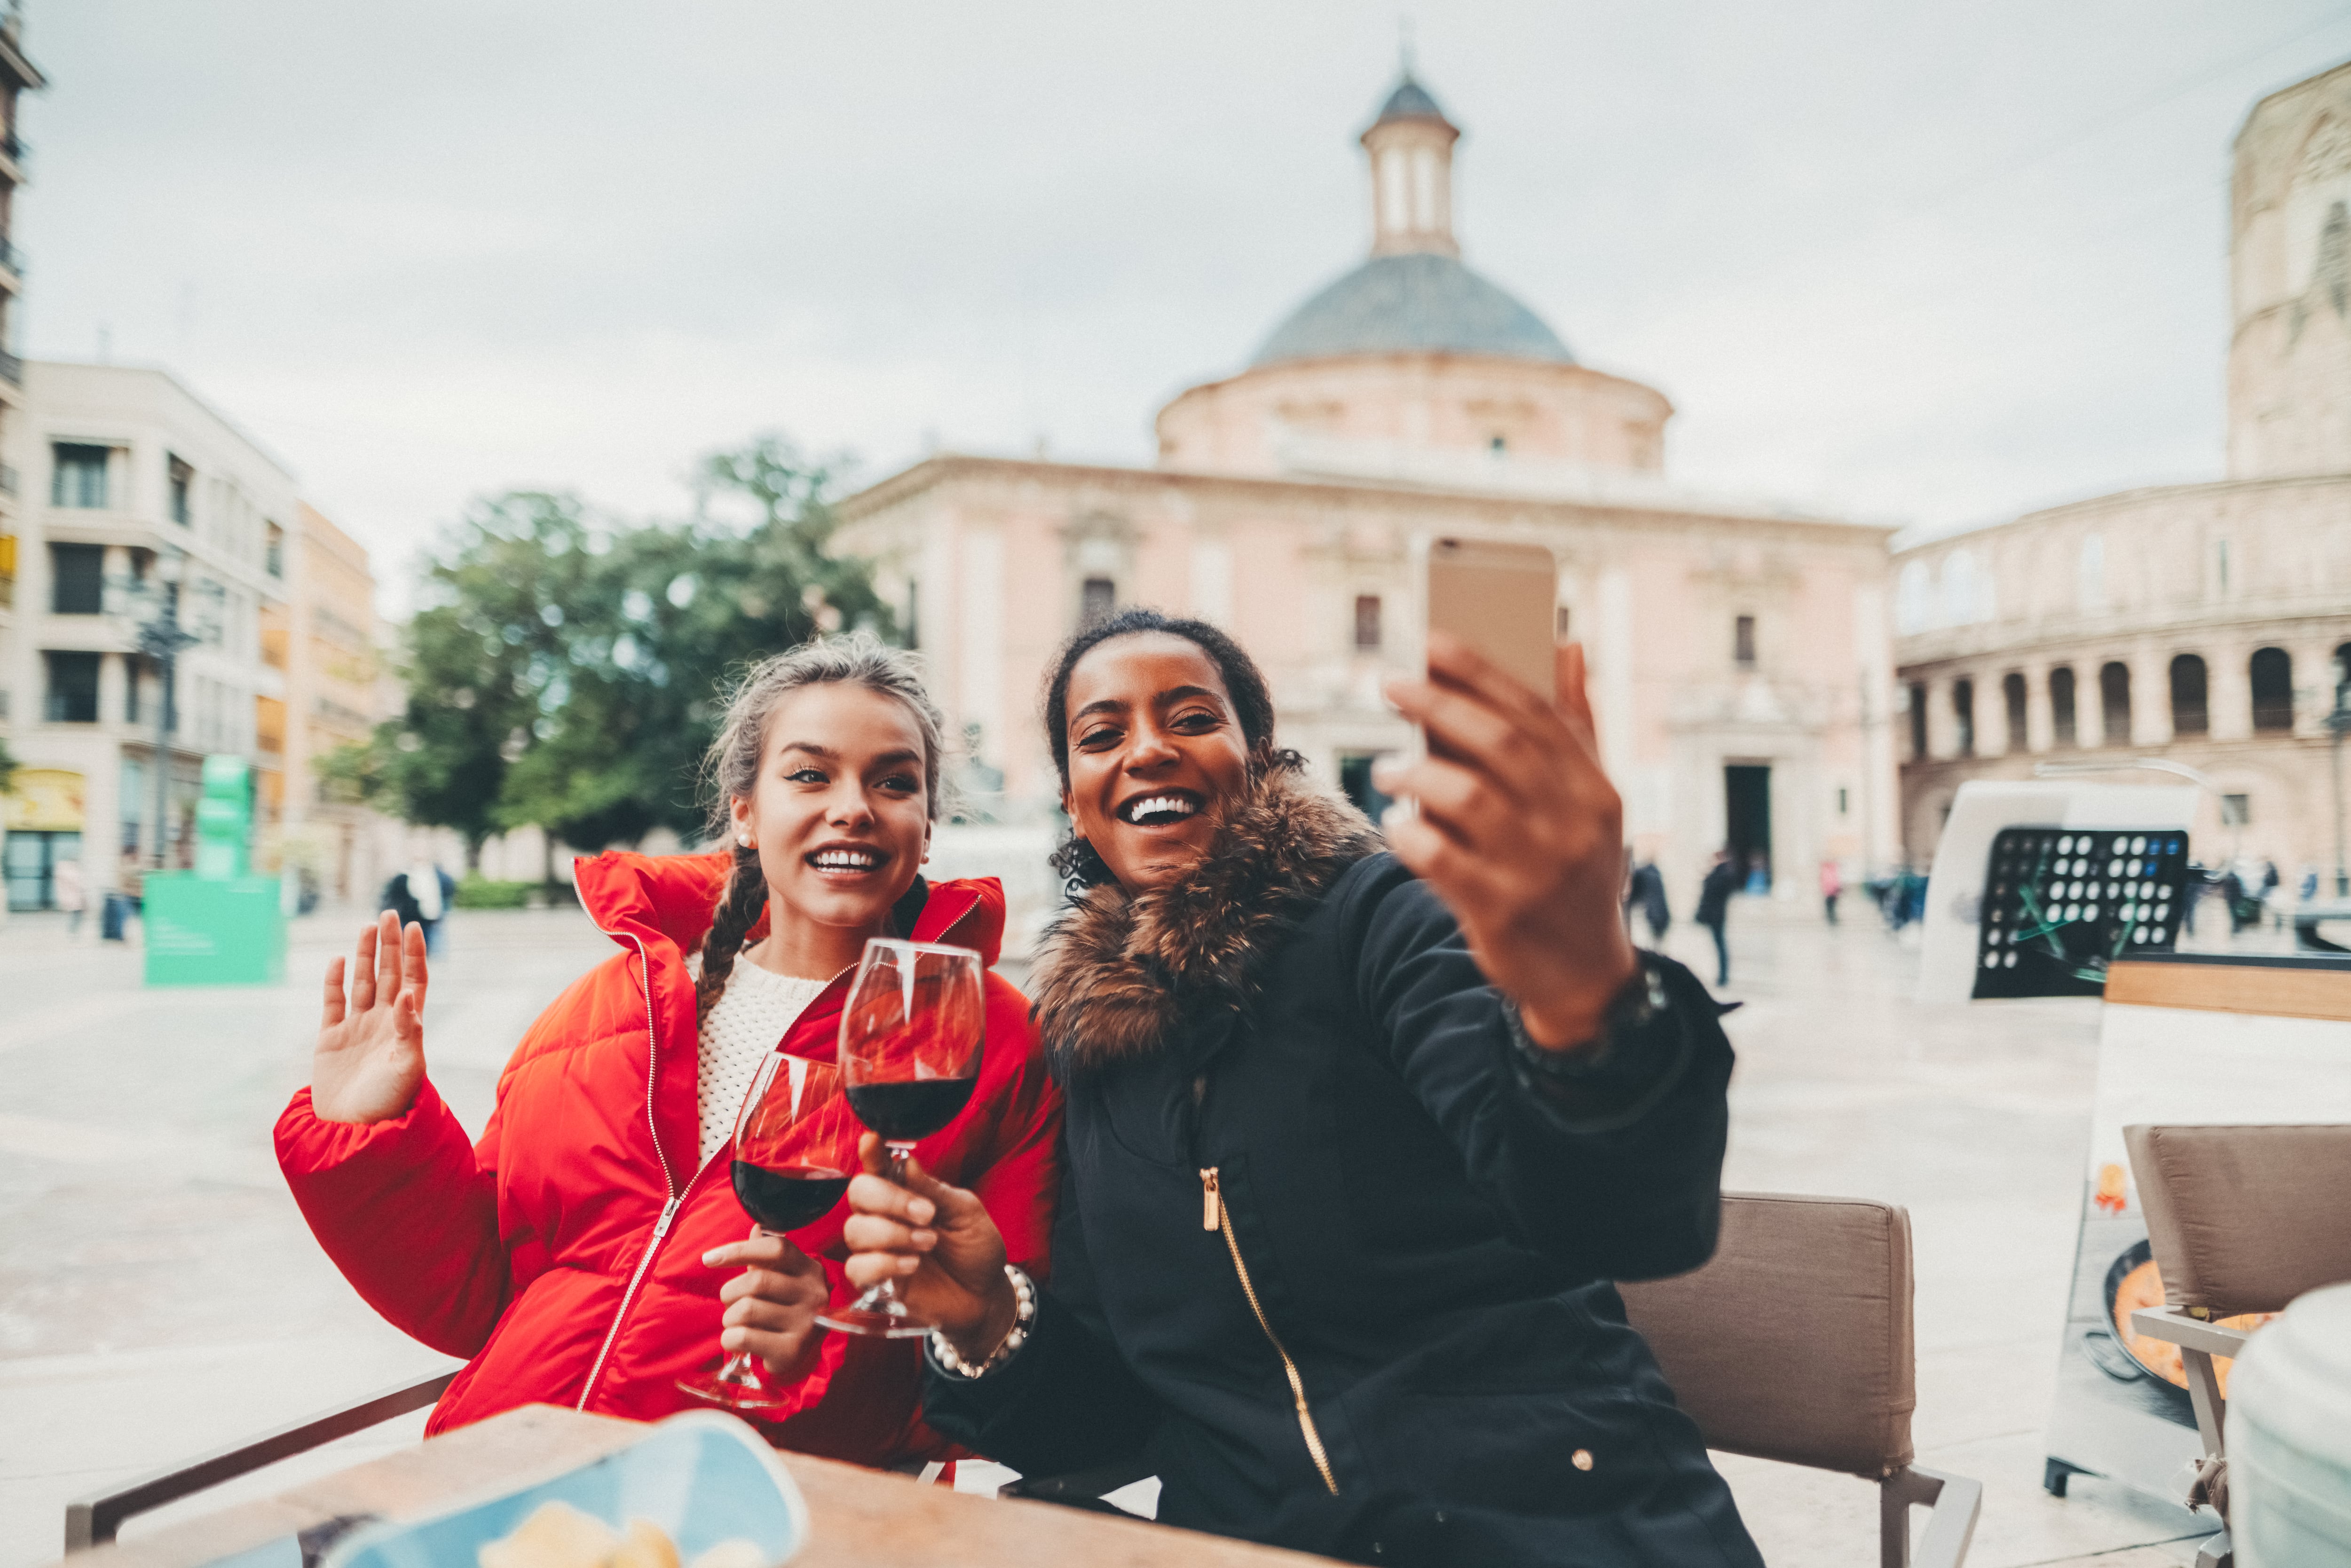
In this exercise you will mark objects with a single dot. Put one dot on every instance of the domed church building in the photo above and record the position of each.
(1741, 654)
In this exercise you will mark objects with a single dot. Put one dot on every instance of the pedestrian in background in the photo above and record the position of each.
(421, 896)
(1831, 884)
(1645, 890)
(65, 886)
(1714, 909)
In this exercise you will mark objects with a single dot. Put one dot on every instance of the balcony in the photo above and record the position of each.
(17, 151)
(12, 368)
(11, 257)
(8, 480)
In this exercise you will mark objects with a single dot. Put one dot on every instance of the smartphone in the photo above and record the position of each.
(1499, 597)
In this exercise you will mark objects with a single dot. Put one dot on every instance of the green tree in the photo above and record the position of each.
(662, 618)
(487, 664)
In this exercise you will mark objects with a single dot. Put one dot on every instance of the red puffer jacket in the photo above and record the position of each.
(561, 1255)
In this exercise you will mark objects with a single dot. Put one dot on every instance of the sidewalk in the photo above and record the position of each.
(159, 1293)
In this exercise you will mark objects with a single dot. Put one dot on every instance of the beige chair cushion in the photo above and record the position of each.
(1793, 1341)
(2244, 1219)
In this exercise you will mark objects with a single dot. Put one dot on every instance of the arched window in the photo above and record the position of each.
(2061, 706)
(2011, 697)
(2189, 712)
(1963, 715)
(2273, 678)
(2114, 697)
(1916, 701)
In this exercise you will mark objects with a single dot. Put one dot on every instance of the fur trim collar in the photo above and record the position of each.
(1115, 976)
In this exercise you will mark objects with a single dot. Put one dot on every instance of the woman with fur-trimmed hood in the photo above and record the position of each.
(1356, 1137)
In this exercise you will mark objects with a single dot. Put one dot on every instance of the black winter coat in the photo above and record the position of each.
(1329, 1257)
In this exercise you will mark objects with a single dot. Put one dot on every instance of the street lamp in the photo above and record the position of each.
(151, 603)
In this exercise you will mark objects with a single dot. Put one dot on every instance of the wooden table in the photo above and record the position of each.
(858, 1518)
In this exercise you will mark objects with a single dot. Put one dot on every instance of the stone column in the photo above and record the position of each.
(2313, 689)
(2150, 669)
(2039, 725)
(2089, 701)
(1991, 714)
(1942, 738)
(2229, 689)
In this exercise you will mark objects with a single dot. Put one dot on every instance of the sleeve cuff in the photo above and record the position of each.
(1643, 1051)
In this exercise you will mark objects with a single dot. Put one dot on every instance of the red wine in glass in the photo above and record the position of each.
(794, 1147)
(910, 1048)
(789, 1196)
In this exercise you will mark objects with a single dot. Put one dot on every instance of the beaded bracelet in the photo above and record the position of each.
(1024, 1295)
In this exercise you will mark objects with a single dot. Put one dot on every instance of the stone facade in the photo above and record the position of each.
(325, 640)
(1740, 656)
(2205, 625)
(2290, 271)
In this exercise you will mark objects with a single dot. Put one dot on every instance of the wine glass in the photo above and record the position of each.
(795, 1146)
(910, 1048)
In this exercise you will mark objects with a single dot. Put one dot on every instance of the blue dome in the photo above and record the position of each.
(1414, 302)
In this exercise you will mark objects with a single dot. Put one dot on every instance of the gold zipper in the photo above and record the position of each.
(1213, 1218)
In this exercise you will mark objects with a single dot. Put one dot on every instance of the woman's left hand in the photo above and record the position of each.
(1520, 831)
(771, 1306)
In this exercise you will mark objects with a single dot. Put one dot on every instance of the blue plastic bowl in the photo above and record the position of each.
(702, 1477)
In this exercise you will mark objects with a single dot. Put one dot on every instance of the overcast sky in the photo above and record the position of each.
(1920, 263)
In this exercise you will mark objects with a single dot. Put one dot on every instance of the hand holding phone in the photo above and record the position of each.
(1517, 826)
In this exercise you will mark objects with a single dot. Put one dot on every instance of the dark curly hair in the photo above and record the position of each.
(1252, 699)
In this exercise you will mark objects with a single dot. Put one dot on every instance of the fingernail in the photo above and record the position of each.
(710, 1260)
(908, 1265)
(926, 1240)
(920, 1212)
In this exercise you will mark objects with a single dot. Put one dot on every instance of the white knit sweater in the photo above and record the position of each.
(747, 1023)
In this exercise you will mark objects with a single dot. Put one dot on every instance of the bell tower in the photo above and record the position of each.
(1411, 148)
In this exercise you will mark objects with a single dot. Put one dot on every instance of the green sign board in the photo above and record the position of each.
(216, 926)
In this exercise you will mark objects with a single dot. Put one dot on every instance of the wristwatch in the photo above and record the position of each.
(1641, 1045)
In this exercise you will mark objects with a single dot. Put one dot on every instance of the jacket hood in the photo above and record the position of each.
(674, 896)
(1115, 973)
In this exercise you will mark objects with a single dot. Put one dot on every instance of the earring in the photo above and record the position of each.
(744, 839)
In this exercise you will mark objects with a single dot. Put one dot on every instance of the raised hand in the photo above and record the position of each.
(1520, 831)
(370, 1054)
(938, 1243)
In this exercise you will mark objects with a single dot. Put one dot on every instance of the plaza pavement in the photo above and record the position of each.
(160, 1295)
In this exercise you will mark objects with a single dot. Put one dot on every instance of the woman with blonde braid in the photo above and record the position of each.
(588, 1250)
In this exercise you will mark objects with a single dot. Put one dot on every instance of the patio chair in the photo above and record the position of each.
(93, 1520)
(2241, 1219)
(1794, 1343)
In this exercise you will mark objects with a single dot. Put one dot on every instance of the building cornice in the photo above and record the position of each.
(2108, 635)
(2114, 501)
(947, 469)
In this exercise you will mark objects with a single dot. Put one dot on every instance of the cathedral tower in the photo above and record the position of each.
(2290, 273)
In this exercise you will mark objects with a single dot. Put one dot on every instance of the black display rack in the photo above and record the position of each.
(2061, 904)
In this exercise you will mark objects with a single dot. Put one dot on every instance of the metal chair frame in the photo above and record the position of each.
(2199, 1340)
(93, 1520)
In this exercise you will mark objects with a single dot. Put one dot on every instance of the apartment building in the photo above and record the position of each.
(24, 808)
(323, 639)
(138, 495)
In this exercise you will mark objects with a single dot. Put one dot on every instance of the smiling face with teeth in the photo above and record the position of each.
(1154, 746)
(841, 819)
